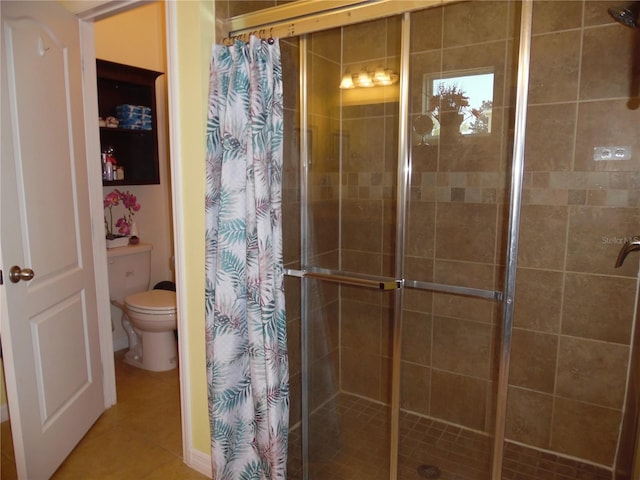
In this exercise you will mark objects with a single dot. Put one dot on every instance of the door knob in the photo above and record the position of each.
(16, 274)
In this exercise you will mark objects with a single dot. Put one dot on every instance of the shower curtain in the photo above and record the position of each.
(246, 344)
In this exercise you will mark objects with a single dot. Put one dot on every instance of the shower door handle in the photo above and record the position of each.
(378, 283)
(355, 281)
(627, 248)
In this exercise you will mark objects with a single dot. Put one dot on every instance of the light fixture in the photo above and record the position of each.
(381, 77)
(347, 81)
(364, 79)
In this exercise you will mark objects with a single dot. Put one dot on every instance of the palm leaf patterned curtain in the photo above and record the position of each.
(247, 364)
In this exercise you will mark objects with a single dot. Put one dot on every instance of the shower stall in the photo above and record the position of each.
(459, 179)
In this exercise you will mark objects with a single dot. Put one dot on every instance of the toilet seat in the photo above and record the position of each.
(152, 302)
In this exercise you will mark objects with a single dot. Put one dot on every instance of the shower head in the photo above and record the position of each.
(626, 14)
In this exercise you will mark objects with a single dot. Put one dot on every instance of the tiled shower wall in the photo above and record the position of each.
(574, 311)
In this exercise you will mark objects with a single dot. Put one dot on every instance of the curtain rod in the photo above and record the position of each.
(298, 18)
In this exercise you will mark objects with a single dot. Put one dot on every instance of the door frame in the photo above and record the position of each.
(88, 13)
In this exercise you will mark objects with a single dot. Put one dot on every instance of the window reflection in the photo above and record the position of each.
(460, 102)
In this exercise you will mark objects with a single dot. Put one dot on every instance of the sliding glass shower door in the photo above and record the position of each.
(349, 254)
(461, 99)
(404, 212)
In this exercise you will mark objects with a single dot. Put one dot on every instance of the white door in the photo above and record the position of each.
(49, 329)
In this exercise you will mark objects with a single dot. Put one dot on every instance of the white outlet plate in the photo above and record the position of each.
(610, 153)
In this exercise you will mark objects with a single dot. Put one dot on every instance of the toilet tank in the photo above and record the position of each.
(129, 270)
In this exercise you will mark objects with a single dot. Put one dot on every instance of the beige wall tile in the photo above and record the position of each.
(466, 232)
(462, 347)
(414, 388)
(595, 12)
(550, 137)
(596, 235)
(325, 331)
(418, 300)
(475, 153)
(538, 300)
(606, 50)
(555, 15)
(323, 219)
(324, 379)
(598, 307)
(592, 372)
(467, 275)
(459, 399)
(533, 360)
(554, 67)
(542, 236)
(469, 23)
(360, 373)
(361, 262)
(360, 327)
(293, 345)
(362, 225)
(364, 41)
(326, 44)
(529, 417)
(418, 268)
(426, 31)
(574, 426)
(606, 123)
(421, 64)
(420, 229)
(416, 337)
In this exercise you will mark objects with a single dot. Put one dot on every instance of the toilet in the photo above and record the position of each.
(148, 316)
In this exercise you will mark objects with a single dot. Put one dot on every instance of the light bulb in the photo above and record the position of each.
(347, 81)
(364, 80)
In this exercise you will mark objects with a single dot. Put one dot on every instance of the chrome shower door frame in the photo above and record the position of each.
(399, 283)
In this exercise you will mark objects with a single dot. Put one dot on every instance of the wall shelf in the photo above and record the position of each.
(135, 150)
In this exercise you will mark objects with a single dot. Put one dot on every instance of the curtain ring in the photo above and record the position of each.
(271, 41)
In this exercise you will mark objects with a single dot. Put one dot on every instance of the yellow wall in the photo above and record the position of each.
(135, 37)
(195, 34)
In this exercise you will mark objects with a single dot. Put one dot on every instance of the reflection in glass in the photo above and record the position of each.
(459, 99)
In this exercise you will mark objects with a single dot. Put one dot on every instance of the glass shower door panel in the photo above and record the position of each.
(456, 230)
(348, 374)
(350, 218)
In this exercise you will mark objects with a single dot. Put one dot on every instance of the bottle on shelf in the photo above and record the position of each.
(110, 168)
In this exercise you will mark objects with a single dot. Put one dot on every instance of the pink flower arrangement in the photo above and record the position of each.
(123, 224)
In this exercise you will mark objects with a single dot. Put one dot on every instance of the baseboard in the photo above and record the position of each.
(120, 343)
(201, 462)
(4, 414)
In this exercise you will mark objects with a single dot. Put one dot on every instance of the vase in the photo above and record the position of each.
(450, 125)
(117, 241)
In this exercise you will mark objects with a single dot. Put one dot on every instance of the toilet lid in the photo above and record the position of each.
(155, 301)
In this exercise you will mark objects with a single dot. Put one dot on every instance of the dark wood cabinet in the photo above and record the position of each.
(136, 150)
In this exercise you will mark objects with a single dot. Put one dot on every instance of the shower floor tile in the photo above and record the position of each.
(350, 441)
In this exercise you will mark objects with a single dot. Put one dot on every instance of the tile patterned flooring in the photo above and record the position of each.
(350, 441)
(139, 438)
